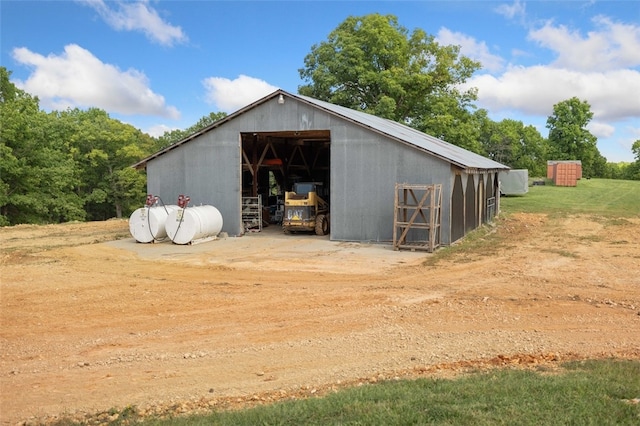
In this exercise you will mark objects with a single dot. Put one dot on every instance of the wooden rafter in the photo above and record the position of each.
(298, 149)
(253, 168)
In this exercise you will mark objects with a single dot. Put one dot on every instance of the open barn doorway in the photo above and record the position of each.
(272, 162)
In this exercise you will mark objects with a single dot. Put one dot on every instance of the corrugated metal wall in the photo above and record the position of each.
(364, 169)
(208, 170)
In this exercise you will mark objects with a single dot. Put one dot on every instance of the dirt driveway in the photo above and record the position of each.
(88, 324)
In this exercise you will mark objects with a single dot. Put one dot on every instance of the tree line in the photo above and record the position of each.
(71, 165)
(76, 164)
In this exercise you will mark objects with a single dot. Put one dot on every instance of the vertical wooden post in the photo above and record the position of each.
(254, 166)
(395, 216)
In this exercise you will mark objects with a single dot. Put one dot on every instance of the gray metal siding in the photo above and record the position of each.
(365, 166)
(272, 116)
(166, 176)
(207, 170)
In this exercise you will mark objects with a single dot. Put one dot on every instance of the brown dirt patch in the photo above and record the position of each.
(88, 324)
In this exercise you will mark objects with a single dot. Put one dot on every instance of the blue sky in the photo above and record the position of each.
(162, 65)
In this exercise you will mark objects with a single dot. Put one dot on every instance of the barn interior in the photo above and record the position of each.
(272, 162)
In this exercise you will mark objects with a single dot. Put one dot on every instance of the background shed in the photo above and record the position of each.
(265, 147)
(564, 172)
(514, 182)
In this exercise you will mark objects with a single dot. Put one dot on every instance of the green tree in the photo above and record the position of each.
(615, 170)
(103, 150)
(176, 135)
(632, 171)
(598, 165)
(37, 176)
(635, 148)
(451, 121)
(69, 165)
(373, 64)
(512, 143)
(569, 138)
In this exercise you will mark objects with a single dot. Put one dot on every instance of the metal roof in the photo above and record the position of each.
(456, 155)
(402, 133)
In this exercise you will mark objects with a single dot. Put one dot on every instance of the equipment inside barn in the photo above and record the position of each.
(305, 210)
(277, 162)
(252, 213)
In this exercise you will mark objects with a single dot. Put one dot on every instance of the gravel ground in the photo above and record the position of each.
(90, 323)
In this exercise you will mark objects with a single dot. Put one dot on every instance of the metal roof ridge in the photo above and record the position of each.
(460, 151)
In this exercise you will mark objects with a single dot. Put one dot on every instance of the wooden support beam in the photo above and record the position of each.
(254, 161)
(298, 149)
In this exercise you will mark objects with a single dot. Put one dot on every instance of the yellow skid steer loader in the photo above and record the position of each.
(304, 210)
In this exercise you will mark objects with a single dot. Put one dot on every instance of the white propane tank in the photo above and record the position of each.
(193, 223)
(146, 224)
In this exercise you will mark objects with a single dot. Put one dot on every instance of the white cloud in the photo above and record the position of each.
(613, 45)
(471, 48)
(515, 10)
(600, 68)
(76, 78)
(599, 65)
(138, 16)
(613, 95)
(623, 141)
(159, 130)
(600, 129)
(519, 52)
(231, 95)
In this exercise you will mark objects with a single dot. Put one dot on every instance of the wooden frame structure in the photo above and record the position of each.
(286, 151)
(252, 213)
(416, 222)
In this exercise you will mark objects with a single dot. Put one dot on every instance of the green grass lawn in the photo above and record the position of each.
(603, 392)
(617, 198)
(588, 393)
